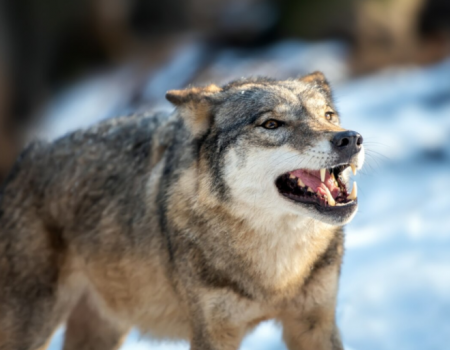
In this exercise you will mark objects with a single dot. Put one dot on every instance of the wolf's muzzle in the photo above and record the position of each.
(347, 143)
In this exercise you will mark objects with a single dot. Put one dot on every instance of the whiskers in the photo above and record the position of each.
(375, 158)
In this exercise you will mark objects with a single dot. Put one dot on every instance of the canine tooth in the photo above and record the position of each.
(322, 174)
(300, 183)
(331, 202)
(354, 192)
(353, 166)
(310, 189)
(291, 176)
(330, 198)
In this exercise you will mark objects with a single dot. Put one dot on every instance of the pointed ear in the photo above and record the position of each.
(195, 105)
(317, 78)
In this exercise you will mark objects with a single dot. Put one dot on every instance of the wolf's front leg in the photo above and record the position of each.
(315, 332)
(88, 329)
(220, 319)
(309, 321)
(218, 337)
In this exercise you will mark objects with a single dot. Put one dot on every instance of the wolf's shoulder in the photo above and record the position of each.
(118, 130)
(125, 136)
(115, 144)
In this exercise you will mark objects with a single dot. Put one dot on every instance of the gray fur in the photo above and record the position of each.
(109, 201)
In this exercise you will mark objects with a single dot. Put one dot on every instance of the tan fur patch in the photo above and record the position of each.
(317, 78)
(194, 107)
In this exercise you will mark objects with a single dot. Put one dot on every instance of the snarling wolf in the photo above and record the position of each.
(194, 225)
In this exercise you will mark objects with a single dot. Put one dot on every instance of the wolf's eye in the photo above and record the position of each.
(271, 124)
(329, 116)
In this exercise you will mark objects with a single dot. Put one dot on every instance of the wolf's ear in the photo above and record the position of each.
(317, 78)
(195, 105)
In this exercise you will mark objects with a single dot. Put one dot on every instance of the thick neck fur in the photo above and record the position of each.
(279, 248)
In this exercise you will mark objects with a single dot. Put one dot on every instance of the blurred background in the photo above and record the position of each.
(68, 64)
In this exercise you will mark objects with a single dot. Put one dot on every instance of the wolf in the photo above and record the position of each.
(197, 224)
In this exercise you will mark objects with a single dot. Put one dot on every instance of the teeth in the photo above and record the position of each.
(330, 198)
(354, 192)
(334, 179)
(322, 174)
(291, 176)
(353, 166)
(300, 183)
(310, 189)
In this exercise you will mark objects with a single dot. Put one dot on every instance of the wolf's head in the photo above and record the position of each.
(274, 148)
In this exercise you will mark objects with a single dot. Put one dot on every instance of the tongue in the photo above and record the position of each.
(311, 179)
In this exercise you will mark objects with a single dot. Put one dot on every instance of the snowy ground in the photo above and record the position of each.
(395, 283)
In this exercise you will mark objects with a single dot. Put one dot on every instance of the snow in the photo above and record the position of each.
(395, 282)
(99, 97)
(395, 285)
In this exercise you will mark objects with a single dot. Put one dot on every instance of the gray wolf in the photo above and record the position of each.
(196, 225)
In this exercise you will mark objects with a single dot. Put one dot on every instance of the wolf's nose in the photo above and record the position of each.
(347, 140)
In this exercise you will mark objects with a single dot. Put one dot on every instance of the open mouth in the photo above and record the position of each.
(326, 188)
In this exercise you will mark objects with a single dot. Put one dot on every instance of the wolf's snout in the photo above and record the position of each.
(347, 141)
